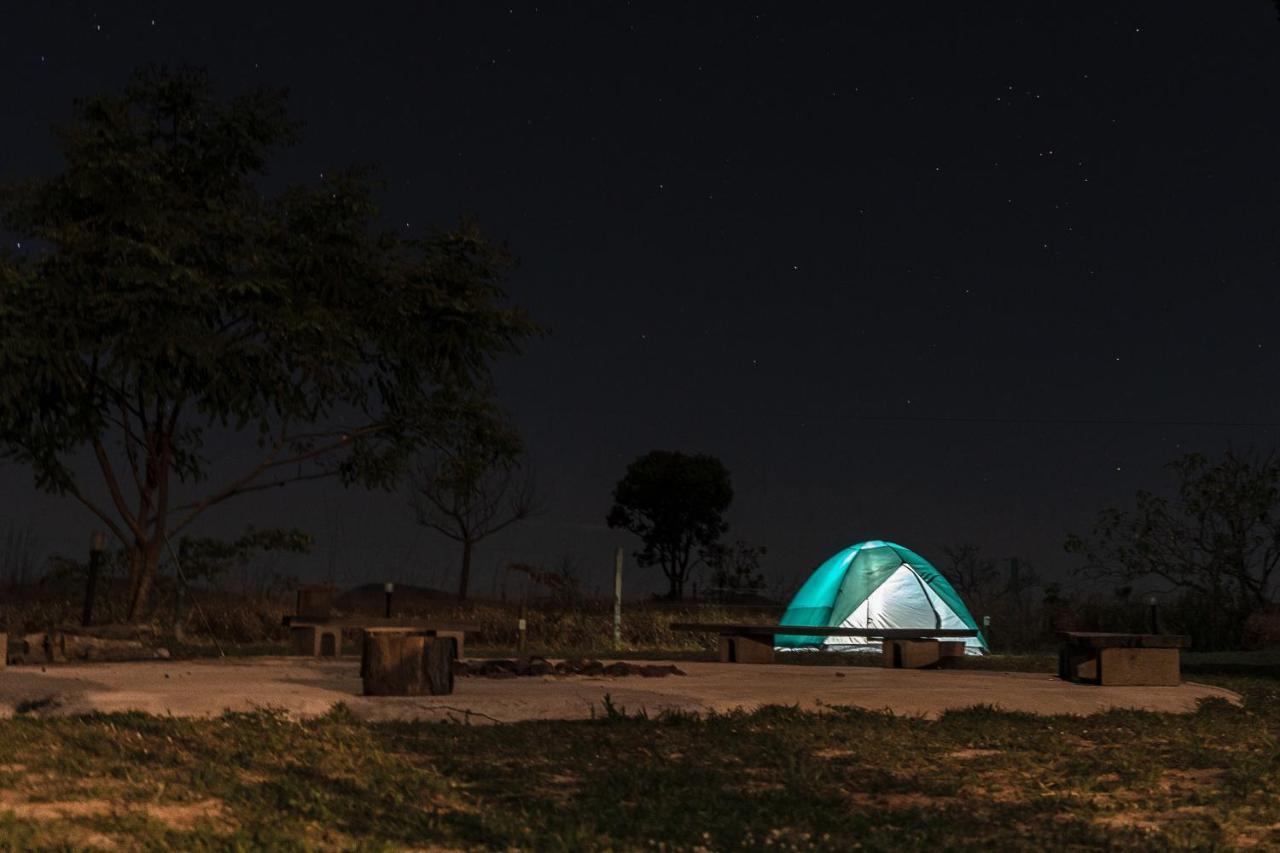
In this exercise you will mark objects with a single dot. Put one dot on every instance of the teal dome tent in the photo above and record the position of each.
(875, 584)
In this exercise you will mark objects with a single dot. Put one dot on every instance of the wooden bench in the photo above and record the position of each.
(323, 637)
(907, 648)
(1134, 660)
(317, 633)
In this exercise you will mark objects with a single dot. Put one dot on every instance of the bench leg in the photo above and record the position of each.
(745, 650)
(317, 641)
(911, 654)
(1140, 667)
(1078, 664)
(456, 636)
(950, 653)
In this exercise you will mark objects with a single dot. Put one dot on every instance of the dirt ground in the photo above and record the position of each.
(309, 686)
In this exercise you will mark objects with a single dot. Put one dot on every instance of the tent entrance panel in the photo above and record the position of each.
(857, 619)
(948, 618)
(899, 602)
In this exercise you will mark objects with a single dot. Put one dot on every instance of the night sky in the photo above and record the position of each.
(914, 271)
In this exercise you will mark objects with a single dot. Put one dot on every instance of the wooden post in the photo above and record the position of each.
(520, 631)
(617, 599)
(179, 611)
(407, 663)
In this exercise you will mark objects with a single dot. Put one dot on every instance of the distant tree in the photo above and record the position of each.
(19, 557)
(472, 484)
(735, 568)
(675, 503)
(973, 574)
(165, 294)
(1218, 538)
(208, 557)
(563, 583)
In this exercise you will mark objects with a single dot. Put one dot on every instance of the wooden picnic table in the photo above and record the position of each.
(1110, 659)
(911, 648)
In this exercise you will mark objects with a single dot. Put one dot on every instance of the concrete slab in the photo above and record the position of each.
(309, 686)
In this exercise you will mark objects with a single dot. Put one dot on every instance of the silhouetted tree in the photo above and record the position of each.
(563, 583)
(1218, 537)
(172, 295)
(974, 575)
(675, 503)
(735, 568)
(474, 483)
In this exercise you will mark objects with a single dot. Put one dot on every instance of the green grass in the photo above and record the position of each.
(782, 778)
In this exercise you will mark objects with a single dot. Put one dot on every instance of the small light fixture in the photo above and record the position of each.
(98, 542)
(388, 587)
(1151, 600)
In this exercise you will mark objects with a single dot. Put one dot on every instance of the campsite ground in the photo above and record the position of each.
(311, 686)
(780, 777)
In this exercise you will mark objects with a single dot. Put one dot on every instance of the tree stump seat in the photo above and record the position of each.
(406, 663)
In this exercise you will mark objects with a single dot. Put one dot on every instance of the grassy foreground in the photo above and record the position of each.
(781, 778)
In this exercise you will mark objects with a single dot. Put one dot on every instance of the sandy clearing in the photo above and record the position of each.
(309, 686)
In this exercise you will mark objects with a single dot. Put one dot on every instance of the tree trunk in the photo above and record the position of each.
(675, 591)
(465, 580)
(144, 560)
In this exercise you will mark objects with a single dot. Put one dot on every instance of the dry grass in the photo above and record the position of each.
(780, 778)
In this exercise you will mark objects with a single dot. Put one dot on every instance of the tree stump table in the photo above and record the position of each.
(406, 663)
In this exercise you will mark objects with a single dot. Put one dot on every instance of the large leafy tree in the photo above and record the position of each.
(165, 295)
(1217, 538)
(473, 482)
(675, 503)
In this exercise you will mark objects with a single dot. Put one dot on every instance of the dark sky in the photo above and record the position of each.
(914, 271)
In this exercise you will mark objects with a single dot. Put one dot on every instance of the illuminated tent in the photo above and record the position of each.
(875, 584)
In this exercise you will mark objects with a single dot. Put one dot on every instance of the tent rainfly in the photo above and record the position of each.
(875, 584)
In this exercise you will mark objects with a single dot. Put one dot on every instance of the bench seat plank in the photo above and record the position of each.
(377, 622)
(821, 631)
(1103, 640)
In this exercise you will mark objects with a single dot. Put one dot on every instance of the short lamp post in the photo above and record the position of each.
(97, 544)
(388, 588)
(1154, 604)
